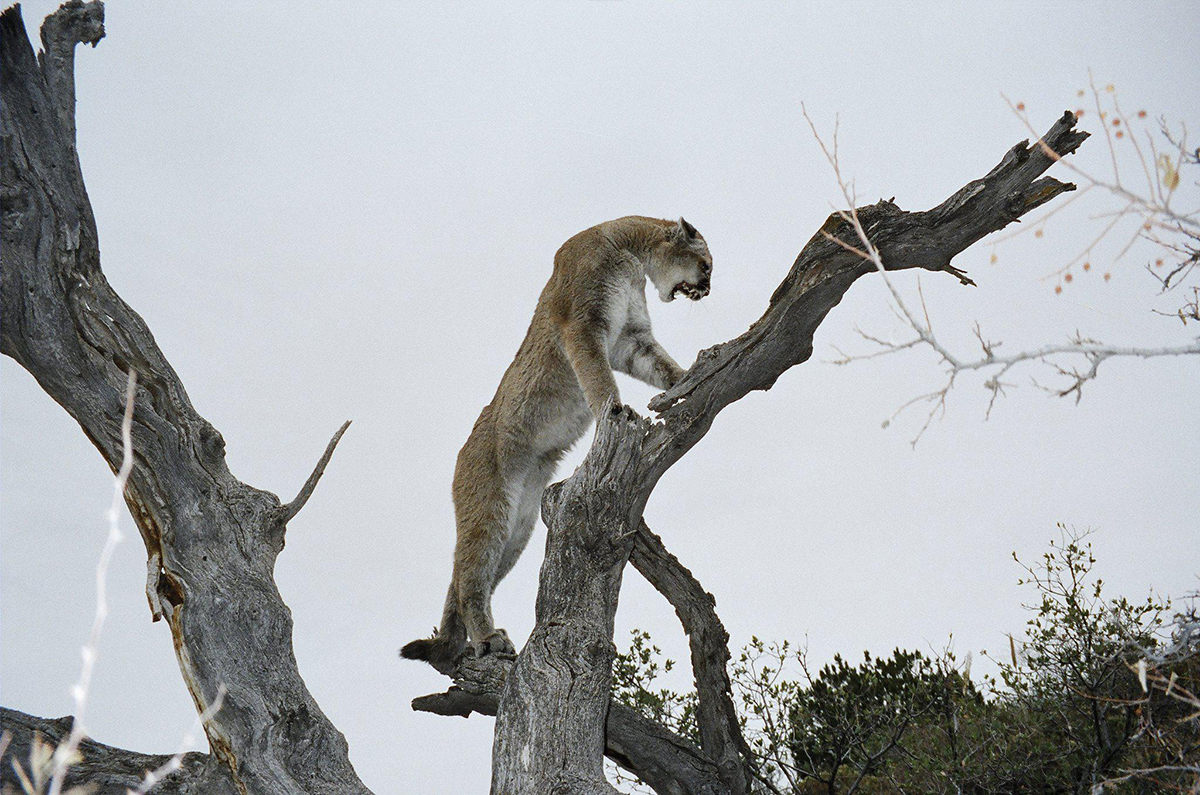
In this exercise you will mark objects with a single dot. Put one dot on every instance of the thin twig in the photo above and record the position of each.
(1151, 213)
(176, 761)
(66, 752)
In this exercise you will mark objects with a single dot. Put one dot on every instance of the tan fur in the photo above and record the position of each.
(591, 319)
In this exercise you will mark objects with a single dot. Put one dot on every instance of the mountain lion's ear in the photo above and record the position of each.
(687, 231)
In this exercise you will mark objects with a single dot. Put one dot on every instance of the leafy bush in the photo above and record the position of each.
(1098, 696)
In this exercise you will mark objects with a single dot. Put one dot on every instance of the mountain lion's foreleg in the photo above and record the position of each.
(638, 354)
(585, 347)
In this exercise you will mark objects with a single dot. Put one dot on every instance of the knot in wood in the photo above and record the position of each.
(684, 413)
(572, 509)
(600, 652)
(212, 441)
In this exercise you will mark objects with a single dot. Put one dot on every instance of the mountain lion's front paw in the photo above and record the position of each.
(621, 411)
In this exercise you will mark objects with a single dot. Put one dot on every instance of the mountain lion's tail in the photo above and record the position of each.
(436, 651)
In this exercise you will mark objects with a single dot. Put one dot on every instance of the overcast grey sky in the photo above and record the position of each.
(346, 211)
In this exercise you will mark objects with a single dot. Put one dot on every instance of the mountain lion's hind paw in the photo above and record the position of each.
(497, 643)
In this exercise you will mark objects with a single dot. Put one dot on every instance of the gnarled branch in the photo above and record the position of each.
(708, 642)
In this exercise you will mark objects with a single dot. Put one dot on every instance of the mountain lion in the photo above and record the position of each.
(591, 319)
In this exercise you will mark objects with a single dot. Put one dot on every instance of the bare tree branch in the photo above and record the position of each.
(1058, 356)
(1175, 234)
(720, 732)
(825, 269)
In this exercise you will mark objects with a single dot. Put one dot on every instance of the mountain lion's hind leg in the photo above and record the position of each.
(528, 508)
(481, 512)
(476, 560)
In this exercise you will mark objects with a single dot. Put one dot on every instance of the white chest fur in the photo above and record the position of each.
(626, 313)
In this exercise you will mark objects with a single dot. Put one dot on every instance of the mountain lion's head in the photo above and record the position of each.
(682, 265)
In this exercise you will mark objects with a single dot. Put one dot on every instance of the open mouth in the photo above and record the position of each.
(692, 291)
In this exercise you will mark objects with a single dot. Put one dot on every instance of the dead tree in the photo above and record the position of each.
(212, 540)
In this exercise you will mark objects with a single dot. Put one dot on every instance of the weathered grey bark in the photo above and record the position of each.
(212, 540)
(550, 726)
(112, 771)
(561, 679)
